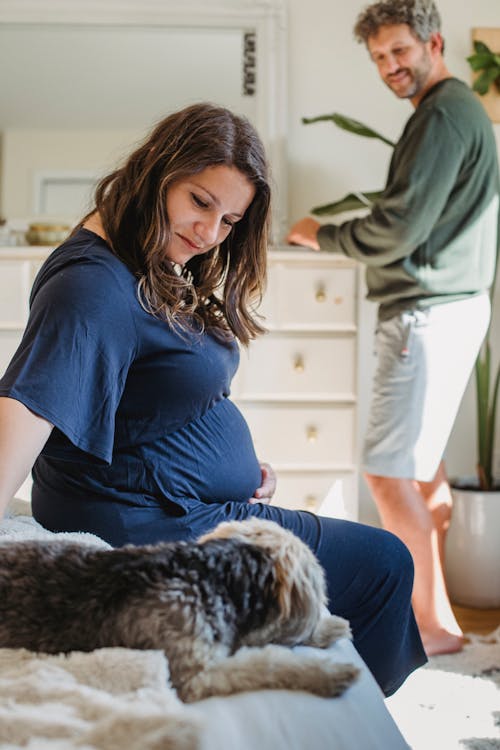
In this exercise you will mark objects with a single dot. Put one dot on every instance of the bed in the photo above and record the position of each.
(115, 698)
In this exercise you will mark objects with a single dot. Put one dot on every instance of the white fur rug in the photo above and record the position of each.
(109, 699)
(19, 524)
(453, 703)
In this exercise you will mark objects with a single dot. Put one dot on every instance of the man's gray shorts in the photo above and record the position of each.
(424, 361)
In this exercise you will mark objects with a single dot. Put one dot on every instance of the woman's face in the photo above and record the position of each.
(203, 208)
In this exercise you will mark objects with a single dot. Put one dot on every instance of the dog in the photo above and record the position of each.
(224, 609)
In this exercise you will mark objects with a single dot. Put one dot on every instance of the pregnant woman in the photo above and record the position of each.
(117, 397)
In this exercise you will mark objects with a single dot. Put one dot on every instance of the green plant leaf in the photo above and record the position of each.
(481, 48)
(347, 123)
(350, 202)
(478, 62)
(485, 79)
(486, 415)
(490, 433)
(482, 372)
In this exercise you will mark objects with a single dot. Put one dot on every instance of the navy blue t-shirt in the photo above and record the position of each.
(141, 412)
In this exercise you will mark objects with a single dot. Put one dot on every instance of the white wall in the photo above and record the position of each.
(330, 72)
(27, 153)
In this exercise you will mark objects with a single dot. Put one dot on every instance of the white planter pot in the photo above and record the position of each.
(472, 561)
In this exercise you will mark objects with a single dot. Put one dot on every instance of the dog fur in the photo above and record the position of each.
(218, 608)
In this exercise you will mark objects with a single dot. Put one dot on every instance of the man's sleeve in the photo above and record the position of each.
(422, 178)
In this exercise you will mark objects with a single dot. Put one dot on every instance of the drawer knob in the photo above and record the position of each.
(338, 300)
(312, 434)
(311, 502)
(298, 363)
(320, 294)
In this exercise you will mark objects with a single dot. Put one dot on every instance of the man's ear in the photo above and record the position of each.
(436, 42)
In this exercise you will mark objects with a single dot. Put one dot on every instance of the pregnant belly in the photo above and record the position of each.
(212, 458)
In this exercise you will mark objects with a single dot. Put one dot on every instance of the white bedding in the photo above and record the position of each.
(121, 698)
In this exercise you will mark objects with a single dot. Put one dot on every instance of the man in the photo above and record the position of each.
(430, 246)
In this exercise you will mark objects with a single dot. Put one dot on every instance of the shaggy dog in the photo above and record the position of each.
(212, 607)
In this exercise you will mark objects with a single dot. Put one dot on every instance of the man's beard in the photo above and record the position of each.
(418, 77)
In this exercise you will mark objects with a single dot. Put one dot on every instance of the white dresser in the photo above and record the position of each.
(296, 386)
(18, 268)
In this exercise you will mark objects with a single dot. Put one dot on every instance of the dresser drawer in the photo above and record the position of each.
(16, 282)
(304, 295)
(298, 435)
(9, 341)
(330, 493)
(296, 365)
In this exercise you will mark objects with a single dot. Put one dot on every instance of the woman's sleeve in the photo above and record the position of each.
(72, 363)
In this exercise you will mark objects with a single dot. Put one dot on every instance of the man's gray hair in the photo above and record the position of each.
(421, 16)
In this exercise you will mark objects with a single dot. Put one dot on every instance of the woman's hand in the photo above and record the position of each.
(265, 492)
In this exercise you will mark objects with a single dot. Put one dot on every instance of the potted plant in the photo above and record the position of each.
(473, 550)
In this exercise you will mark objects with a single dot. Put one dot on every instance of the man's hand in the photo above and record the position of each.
(304, 232)
(265, 492)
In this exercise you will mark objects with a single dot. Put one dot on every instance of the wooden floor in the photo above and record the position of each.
(481, 621)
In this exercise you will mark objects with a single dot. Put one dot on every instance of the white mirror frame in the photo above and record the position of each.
(267, 18)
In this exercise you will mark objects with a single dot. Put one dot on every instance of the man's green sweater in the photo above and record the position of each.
(433, 236)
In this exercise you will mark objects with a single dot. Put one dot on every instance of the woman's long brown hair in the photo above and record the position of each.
(217, 291)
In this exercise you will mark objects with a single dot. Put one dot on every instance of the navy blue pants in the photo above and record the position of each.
(369, 571)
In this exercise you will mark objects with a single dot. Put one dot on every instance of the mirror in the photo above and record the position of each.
(82, 82)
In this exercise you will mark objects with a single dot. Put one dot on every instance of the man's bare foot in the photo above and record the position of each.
(442, 642)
